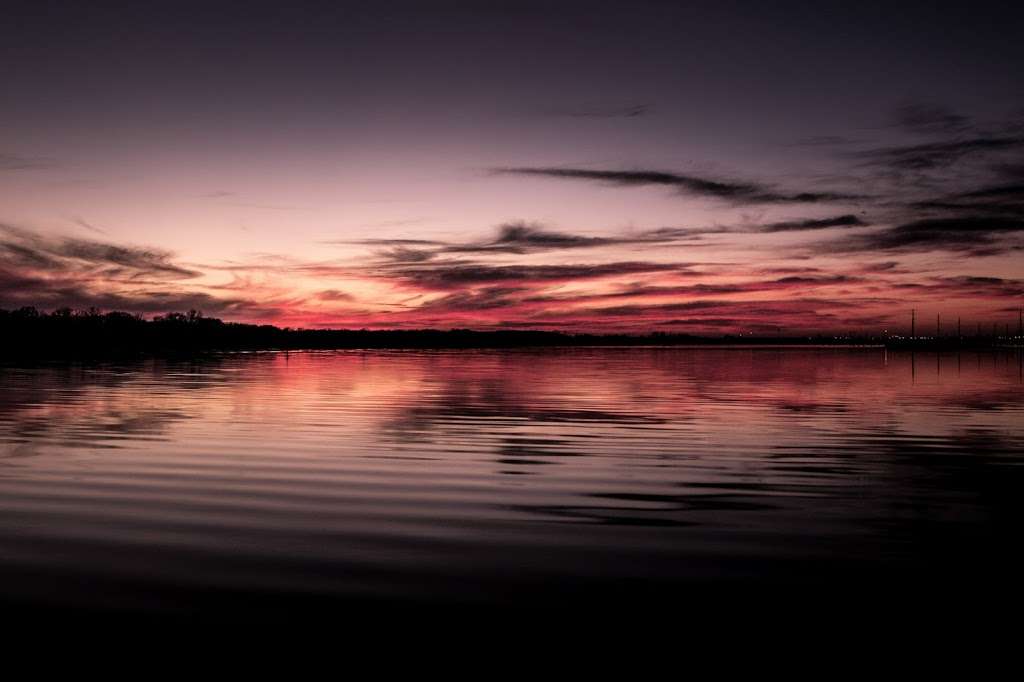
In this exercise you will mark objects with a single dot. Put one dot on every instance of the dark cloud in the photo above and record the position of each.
(333, 295)
(735, 191)
(993, 200)
(19, 290)
(457, 274)
(632, 111)
(971, 286)
(929, 120)
(972, 150)
(960, 192)
(487, 298)
(57, 272)
(690, 290)
(773, 309)
(825, 141)
(886, 266)
(688, 183)
(13, 281)
(1013, 171)
(520, 237)
(996, 286)
(403, 254)
(522, 234)
(523, 238)
(799, 280)
(848, 220)
(683, 234)
(715, 323)
(789, 270)
(399, 250)
(999, 191)
(392, 242)
(21, 248)
(14, 254)
(148, 261)
(937, 155)
(974, 235)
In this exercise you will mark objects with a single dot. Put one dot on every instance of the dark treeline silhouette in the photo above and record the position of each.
(70, 333)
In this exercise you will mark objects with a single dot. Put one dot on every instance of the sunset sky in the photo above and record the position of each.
(702, 167)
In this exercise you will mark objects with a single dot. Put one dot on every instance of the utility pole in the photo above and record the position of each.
(938, 326)
(958, 334)
(913, 323)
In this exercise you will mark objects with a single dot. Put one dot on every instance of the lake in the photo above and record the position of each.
(250, 484)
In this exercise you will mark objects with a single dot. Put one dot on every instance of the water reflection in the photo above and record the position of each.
(493, 477)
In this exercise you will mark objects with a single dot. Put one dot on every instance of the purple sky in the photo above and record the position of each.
(703, 167)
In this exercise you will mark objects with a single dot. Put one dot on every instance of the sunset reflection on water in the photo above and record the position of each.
(498, 477)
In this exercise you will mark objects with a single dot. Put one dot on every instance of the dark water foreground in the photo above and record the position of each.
(262, 485)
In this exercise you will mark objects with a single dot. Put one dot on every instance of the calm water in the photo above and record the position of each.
(249, 483)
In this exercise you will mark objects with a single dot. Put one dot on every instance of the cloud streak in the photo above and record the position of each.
(937, 155)
(848, 220)
(733, 191)
(632, 111)
(973, 235)
(59, 272)
(930, 119)
(455, 274)
(23, 248)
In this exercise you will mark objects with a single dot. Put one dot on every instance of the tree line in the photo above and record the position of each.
(72, 333)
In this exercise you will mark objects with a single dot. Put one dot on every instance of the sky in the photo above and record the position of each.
(704, 167)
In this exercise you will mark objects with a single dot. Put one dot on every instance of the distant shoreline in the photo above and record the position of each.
(67, 334)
